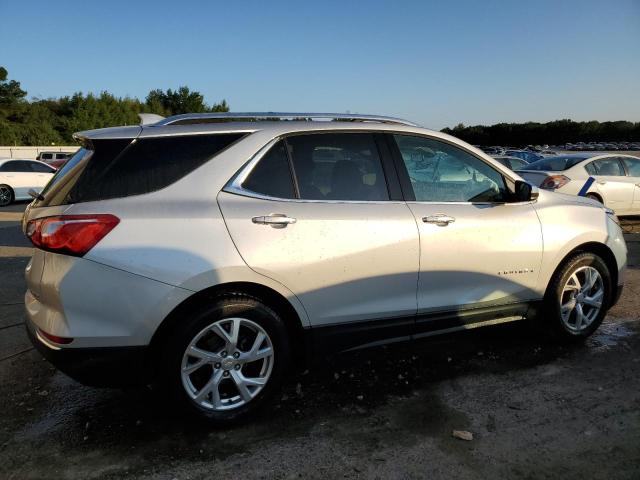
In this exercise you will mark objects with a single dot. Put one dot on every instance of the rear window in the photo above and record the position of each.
(554, 164)
(118, 168)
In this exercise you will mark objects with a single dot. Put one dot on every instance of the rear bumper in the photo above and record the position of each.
(97, 367)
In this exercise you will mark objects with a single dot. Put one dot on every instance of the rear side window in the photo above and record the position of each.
(338, 166)
(40, 168)
(272, 175)
(608, 167)
(633, 166)
(121, 167)
(47, 156)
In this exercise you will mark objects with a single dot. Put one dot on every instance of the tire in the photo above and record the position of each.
(6, 195)
(210, 330)
(569, 295)
(593, 196)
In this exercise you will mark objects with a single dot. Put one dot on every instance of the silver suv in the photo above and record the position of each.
(211, 252)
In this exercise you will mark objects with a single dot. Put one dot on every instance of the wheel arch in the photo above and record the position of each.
(597, 248)
(270, 297)
(598, 195)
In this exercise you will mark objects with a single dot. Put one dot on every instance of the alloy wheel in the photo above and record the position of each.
(581, 299)
(5, 196)
(227, 364)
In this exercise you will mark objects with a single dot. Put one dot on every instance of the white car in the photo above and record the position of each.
(17, 177)
(613, 180)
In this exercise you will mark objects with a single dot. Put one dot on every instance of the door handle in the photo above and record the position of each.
(439, 219)
(601, 182)
(637, 184)
(276, 220)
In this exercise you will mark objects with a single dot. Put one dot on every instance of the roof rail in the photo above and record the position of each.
(193, 118)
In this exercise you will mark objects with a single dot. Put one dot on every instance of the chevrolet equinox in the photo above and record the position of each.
(210, 252)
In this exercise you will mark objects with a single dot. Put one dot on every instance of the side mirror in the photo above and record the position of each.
(525, 192)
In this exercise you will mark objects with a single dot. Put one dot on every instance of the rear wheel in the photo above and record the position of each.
(228, 359)
(578, 296)
(6, 195)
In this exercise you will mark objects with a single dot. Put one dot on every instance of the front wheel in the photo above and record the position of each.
(578, 296)
(228, 359)
(6, 195)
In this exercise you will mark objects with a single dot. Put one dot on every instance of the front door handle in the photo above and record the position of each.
(637, 184)
(276, 220)
(601, 182)
(439, 219)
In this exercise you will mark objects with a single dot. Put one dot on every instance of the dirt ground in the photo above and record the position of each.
(536, 409)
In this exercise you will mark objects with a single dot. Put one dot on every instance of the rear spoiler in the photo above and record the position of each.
(149, 118)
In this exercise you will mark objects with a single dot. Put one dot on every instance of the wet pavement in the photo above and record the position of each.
(536, 409)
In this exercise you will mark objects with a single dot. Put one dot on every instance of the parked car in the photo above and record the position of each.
(525, 155)
(212, 256)
(513, 163)
(55, 159)
(17, 177)
(613, 180)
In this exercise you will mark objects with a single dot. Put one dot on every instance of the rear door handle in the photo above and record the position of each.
(276, 220)
(601, 182)
(439, 219)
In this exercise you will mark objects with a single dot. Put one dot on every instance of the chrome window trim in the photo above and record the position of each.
(235, 184)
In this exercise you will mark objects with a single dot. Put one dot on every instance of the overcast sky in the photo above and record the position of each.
(437, 63)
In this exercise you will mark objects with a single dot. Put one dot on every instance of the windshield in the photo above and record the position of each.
(554, 164)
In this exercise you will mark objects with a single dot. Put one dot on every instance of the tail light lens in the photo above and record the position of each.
(70, 234)
(553, 182)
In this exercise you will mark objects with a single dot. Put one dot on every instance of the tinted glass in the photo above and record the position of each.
(555, 164)
(591, 169)
(47, 156)
(272, 175)
(338, 166)
(120, 168)
(608, 167)
(40, 168)
(440, 172)
(633, 166)
(15, 166)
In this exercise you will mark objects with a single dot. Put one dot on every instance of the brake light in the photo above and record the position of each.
(553, 182)
(70, 234)
(55, 338)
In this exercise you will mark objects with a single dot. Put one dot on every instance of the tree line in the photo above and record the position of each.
(54, 120)
(557, 132)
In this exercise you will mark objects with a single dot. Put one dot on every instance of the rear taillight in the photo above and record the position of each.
(70, 234)
(553, 182)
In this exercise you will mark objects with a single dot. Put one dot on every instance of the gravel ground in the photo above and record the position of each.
(535, 409)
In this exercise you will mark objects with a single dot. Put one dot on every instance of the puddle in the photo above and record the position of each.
(609, 335)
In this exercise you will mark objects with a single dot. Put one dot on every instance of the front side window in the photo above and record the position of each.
(47, 156)
(337, 166)
(272, 175)
(440, 172)
(15, 166)
(633, 166)
(609, 167)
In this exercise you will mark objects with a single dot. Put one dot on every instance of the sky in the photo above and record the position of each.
(436, 63)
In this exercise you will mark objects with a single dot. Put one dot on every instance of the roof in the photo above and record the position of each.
(275, 123)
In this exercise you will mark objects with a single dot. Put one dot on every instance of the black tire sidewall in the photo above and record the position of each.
(11, 197)
(552, 299)
(226, 307)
